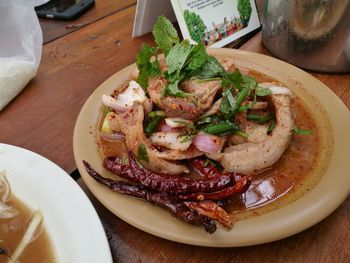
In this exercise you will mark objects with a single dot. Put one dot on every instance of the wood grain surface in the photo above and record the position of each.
(42, 117)
(53, 29)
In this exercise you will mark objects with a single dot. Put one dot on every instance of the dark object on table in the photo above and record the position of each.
(64, 9)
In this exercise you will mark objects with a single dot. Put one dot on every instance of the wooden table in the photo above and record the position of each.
(79, 56)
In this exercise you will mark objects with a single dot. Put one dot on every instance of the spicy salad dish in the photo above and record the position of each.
(211, 137)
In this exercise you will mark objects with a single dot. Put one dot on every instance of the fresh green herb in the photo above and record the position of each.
(210, 69)
(146, 67)
(152, 125)
(185, 137)
(233, 80)
(205, 120)
(197, 58)
(228, 107)
(142, 153)
(228, 101)
(296, 130)
(180, 56)
(106, 110)
(165, 35)
(242, 95)
(154, 114)
(164, 90)
(261, 91)
(209, 161)
(241, 133)
(177, 56)
(244, 107)
(272, 125)
(173, 90)
(249, 82)
(221, 128)
(188, 125)
(260, 118)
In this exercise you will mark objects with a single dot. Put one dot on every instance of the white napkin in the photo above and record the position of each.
(21, 44)
(14, 76)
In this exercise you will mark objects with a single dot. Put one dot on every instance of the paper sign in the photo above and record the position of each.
(215, 23)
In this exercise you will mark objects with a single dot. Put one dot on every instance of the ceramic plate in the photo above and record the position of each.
(70, 219)
(331, 116)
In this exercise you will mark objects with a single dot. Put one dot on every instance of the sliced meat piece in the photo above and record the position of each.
(131, 125)
(188, 108)
(113, 145)
(248, 158)
(255, 132)
(213, 109)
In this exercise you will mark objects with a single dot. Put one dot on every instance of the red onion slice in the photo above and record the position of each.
(207, 143)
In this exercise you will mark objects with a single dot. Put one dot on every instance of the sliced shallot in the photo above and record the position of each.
(208, 143)
(126, 99)
(163, 127)
(170, 140)
(177, 122)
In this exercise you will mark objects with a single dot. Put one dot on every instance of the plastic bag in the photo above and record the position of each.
(20, 46)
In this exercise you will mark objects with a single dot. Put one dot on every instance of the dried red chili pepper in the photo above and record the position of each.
(172, 184)
(178, 209)
(240, 187)
(116, 166)
(211, 210)
(208, 170)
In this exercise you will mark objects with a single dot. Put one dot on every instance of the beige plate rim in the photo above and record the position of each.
(287, 220)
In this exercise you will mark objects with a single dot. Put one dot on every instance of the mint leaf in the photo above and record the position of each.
(177, 56)
(146, 67)
(198, 57)
(211, 68)
(165, 35)
(234, 79)
(173, 90)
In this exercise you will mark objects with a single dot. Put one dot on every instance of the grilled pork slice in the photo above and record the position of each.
(190, 107)
(131, 125)
(248, 158)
